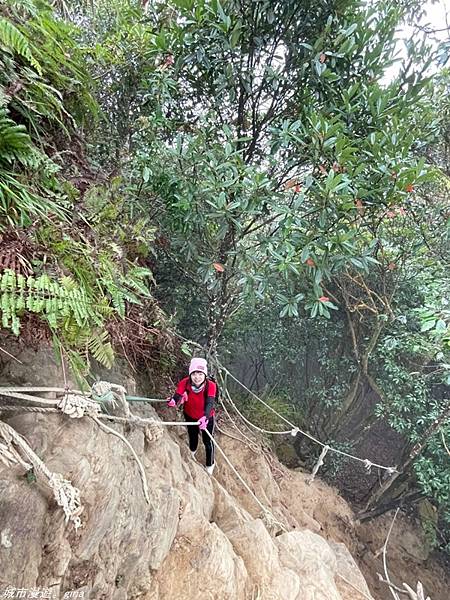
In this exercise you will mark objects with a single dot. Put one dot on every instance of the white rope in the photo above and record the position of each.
(38, 389)
(224, 387)
(296, 430)
(66, 495)
(133, 419)
(78, 406)
(14, 394)
(267, 514)
(251, 446)
(252, 424)
(107, 429)
(9, 456)
(318, 464)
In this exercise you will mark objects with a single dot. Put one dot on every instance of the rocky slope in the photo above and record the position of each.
(198, 537)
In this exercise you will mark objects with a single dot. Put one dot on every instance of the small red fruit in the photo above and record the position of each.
(322, 58)
(219, 267)
(324, 299)
(310, 262)
(409, 187)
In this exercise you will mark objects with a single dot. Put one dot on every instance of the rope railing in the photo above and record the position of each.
(76, 406)
(295, 430)
(267, 515)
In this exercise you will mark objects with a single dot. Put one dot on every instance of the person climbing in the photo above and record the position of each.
(197, 394)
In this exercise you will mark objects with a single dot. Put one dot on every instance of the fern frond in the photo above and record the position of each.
(15, 143)
(15, 41)
(100, 348)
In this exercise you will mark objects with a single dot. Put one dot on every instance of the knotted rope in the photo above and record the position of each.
(318, 464)
(75, 406)
(18, 451)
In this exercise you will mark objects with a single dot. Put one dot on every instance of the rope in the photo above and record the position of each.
(318, 464)
(224, 387)
(132, 419)
(296, 430)
(251, 447)
(66, 495)
(28, 398)
(107, 429)
(76, 407)
(252, 424)
(35, 409)
(268, 516)
(39, 389)
(12, 392)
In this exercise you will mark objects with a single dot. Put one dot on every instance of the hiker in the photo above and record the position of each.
(197, 394)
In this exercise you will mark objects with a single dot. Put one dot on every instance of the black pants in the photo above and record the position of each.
(193, 431)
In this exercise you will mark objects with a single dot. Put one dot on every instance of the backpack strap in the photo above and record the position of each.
(209, 400)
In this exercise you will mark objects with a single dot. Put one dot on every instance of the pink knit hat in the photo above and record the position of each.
(198, 364)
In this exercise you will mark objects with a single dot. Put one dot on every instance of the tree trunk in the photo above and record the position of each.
(390, 486)
(407, 500)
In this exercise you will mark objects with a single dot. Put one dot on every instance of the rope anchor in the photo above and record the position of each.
(318, 464)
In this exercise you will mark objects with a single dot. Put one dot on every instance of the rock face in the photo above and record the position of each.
(198, 537)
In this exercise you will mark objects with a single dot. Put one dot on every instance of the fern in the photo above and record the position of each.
(15, 143)
(100, 348)
(136, 279)
(55, 301)
(64, 306)
(14, 40)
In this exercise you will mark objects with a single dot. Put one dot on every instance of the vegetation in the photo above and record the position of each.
(252, 169)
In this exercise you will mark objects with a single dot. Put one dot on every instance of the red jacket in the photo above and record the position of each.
(199, 404)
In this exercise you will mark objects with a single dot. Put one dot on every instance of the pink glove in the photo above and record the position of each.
(202, 423)
(171, 402)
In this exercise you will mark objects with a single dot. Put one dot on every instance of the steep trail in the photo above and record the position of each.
(197, 534)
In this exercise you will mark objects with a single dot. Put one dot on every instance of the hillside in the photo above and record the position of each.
(198, 534)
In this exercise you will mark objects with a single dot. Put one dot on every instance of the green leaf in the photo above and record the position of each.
(427, 325)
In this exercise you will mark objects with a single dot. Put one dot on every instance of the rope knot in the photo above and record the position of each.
(295, 431)
(76, 406)
(368, 465)
(113, 395)
(153, 432)
(68, 497)
(318, 464)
